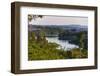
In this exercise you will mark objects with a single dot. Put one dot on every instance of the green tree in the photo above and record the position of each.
(81, 42)
(33, 17)
(30, 17)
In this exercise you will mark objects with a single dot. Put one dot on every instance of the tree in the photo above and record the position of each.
(81, 42)
(30, 18)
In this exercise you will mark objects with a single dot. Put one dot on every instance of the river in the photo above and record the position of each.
(64, 44)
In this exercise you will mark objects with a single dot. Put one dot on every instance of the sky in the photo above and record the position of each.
(60, 20)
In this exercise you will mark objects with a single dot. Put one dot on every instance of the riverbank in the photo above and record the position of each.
(41, 49)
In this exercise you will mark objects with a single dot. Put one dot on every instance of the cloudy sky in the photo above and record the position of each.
(60, 20)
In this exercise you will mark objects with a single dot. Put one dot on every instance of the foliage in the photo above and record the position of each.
(40, 49)
(30, 17)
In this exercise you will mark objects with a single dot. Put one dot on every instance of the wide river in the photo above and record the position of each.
(64, 44)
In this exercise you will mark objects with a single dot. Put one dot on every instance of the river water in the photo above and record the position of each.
(64, 44)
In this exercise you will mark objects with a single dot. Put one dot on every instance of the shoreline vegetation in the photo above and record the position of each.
(40, 49)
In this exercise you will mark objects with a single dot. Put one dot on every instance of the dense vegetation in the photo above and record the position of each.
(78, 38)
(40, 49)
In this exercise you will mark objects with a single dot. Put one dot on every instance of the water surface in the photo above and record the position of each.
(64, 44)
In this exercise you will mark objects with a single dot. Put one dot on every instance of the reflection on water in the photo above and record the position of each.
(64, 44)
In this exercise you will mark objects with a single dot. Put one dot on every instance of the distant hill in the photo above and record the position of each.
(76, 28)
